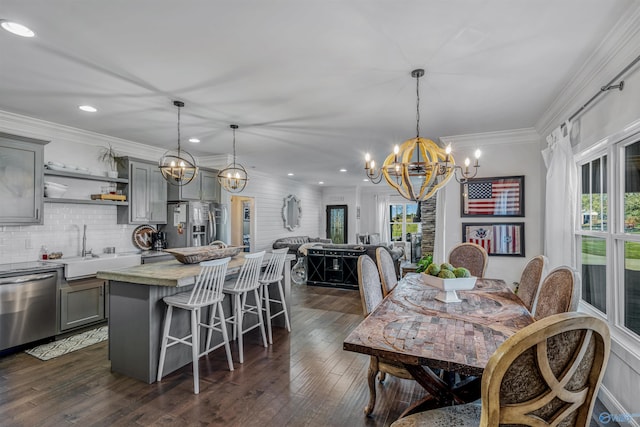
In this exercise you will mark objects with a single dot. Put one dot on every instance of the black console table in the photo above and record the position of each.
(333, 267)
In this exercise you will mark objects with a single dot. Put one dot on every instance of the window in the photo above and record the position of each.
(404, 221)
(631, 215)
(593, 243)
(609, 233)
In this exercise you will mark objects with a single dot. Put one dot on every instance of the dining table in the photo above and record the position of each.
(445, 346)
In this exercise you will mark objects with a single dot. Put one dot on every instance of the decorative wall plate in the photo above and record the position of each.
(143, 237)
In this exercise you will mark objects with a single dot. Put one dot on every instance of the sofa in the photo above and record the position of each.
(294, 243)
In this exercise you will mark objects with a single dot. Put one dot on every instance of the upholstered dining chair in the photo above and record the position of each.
(207, 292)
(371, 296)
(559, 292)
(530, 280)
(470, 256)
(548, 373)
(387, 270)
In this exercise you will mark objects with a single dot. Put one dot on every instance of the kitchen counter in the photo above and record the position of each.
(136, 313)
(167, 273)
(28, 267)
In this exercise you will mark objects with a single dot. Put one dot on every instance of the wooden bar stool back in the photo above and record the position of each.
(246, 283)
(273, 273)
(207, 292)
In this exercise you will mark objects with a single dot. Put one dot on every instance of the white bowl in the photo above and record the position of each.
(71, 167)
(448, 287)
(54, 190)
(60, 165)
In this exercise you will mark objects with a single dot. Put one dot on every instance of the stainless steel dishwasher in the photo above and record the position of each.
(27, 307)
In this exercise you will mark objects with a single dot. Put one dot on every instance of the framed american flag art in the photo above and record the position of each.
(497, 196)
(504, 239)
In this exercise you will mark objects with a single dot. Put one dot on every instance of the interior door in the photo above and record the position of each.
(337, 223)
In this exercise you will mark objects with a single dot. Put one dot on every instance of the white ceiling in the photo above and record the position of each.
(313, 84)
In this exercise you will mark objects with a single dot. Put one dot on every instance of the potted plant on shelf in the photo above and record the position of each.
(112, 159)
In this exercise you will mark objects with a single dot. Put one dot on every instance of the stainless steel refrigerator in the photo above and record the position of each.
(194, 223)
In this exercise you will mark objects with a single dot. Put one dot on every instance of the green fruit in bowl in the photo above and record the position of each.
(433, 269)
(446, 274)
(461, 272)
(446, 266)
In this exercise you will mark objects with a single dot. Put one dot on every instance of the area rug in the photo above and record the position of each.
(69, 344)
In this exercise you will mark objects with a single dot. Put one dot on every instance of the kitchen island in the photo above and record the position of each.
(136, 313)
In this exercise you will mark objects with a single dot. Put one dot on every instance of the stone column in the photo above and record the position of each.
(428, 220)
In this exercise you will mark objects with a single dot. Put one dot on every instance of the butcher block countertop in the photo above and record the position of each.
(167, 273)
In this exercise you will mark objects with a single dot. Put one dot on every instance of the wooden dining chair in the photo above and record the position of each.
(387, 270)
(470, 256)
(371, 296)
(530, 280)
(559, 293)
(548, 373)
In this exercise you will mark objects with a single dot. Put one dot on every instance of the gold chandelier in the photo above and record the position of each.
(178, 167)
(419, 167)
(234, 177)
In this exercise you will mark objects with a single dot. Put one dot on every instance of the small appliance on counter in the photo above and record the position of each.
(159, 241)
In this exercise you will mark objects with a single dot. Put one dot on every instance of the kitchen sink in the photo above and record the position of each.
(77, 267)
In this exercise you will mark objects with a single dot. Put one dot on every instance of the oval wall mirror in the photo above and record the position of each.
(291, 212)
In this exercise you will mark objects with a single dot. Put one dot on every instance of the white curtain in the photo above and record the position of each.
(561, 198)
(382, 217)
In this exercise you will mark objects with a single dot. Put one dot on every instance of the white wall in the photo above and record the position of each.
(504, 153)
(268, 193)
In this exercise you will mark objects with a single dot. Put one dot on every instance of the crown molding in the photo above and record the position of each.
(511, 137)
(616, 51)
(35, 128)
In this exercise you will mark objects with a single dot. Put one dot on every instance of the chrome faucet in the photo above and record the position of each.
(84, 243)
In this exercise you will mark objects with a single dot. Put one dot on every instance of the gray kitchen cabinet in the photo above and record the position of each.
(205, 186)
(82, 302)
(146, 192)
(210, 187)
(21, 179)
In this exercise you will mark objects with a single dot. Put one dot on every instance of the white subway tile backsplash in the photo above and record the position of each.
(62, 231)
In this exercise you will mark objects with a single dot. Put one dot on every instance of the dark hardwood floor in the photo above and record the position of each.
(303, 379)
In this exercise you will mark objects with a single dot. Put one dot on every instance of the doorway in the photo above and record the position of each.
(243, 222)
(337, 223)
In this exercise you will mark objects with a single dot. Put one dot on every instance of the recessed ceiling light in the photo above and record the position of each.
(289, 174)
(88, 108)
(194, 140)
(365, 180)
(343, 170)
(17, 29)
(321, 182)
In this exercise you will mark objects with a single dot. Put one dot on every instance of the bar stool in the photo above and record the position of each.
(207, 292)
(273, 274)
(246, 282)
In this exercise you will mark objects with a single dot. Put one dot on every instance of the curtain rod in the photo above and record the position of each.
(604, 89)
